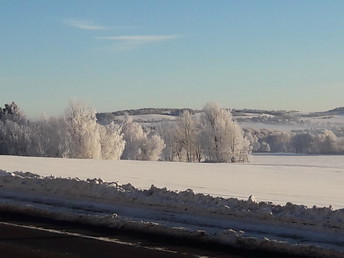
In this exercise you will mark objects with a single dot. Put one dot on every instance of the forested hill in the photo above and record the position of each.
(339, 111)
(155, 111)
(110, 116)
(235, 112)
(252, 117)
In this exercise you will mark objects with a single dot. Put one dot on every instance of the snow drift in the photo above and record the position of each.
(290, 228)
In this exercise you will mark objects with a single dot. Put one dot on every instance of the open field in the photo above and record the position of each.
(307, 180)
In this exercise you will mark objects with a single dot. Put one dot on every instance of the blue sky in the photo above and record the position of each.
(172, 53)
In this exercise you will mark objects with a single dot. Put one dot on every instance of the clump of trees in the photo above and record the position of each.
(211, 136)
(75, 134)
(140, 144)
(302, 142)
(222, 139)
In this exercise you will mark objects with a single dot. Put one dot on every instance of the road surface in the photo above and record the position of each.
(22, 236)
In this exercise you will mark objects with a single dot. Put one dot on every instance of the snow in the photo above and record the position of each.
(233, 213)
(307, 180)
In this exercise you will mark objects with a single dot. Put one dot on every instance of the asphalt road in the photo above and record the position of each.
(18, 241)
(22, 236)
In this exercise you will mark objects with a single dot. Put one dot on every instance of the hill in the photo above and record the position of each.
(282, 120)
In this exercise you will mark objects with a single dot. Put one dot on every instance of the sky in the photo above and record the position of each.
(126, 54)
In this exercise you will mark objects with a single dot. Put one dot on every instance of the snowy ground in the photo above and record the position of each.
(307, 180)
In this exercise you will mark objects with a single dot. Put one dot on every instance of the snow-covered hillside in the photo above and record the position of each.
(257, 119)
(179, 203)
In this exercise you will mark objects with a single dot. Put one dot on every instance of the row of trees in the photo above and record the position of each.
(76, 134)
(210, 136)
(213, 137)
(307, 142)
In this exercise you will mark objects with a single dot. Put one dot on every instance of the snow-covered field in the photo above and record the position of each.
(308, 180)
(302, 180)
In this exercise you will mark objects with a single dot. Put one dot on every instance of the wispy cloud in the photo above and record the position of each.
(139, 39)
(83, 24)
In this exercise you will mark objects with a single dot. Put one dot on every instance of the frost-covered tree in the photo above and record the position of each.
(133, 136)
(221, 137)
(48, 138)
(14, 138)
(152, 148)
(112, 141)
(82, 132)
(11, 112)
(303, 142)
(140, 145)
(187, 137)
(279, 141)
(14, 131)
(253, 139)
(75, 135)
(172, 150)
(326, 143)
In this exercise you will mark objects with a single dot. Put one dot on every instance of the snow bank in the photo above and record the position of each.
(289, 228)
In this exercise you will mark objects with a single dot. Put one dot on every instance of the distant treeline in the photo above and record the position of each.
(302, 142)
(211, 137)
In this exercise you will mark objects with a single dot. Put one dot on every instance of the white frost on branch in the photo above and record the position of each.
(140, 145)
